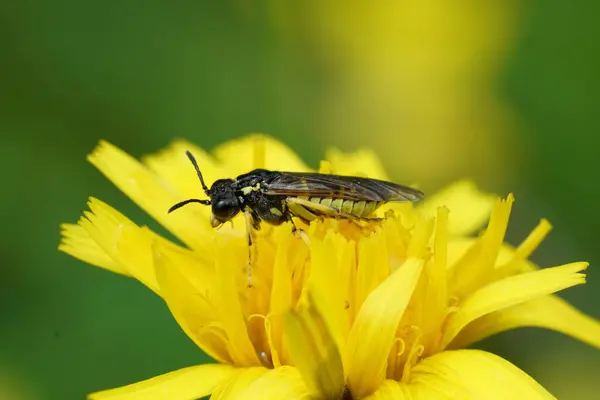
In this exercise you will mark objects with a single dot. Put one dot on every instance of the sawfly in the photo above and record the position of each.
(277, 197)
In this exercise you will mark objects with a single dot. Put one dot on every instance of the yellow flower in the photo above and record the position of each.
(379, 313)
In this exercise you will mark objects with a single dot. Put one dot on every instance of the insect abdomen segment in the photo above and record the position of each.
(360, 209)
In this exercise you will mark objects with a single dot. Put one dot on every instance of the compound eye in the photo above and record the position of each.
(225, 209)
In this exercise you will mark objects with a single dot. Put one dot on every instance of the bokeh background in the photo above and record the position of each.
(505, 92)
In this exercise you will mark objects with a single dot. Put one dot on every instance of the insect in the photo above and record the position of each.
(277, 197)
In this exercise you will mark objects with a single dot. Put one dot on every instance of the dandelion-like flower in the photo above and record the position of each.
(382, 312)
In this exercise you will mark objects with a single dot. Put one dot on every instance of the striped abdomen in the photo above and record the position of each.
(361, 209)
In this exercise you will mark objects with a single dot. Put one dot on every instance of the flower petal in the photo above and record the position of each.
(228, 299)
(509, 262)
(362, 162)
(393, 390)
(376, 324)
(327, 282)
(531, 242)
(152, 195)
(313, 349)
(184, 384)
(172, 165)
(237, 383)
(280, 383)
(373, 267)
(469, 208)
(125, 242)
(434, 295)
(511, 291)
(550, 312)
(476, 267)
(477, 375)
(186, 295)
(77, 242)
(258, 151)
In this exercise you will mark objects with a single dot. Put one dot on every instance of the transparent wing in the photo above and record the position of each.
(339, 186)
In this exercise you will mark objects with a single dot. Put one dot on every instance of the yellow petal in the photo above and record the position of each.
(511, 291)
(76, 241)
(281, 299)
(533, 240)
(512, 259)
(281, 292)
(173, 166)
(434, 296)
(393, 390)
(373, 266)
(475, 268)
(469, 207)
(313, 350)
(277, 384)
(258, 151)
(326, 282)
(372, 335)
(476, 375)
(550, 312)
(184, 384)
(227, 298)
(362, 162)
(125, 242)
(152, 195)
(186, 297)
(237, 383)
(507, 257)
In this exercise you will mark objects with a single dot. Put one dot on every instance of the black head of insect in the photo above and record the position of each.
(222, 198)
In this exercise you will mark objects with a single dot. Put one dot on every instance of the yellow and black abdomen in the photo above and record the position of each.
(360, 209)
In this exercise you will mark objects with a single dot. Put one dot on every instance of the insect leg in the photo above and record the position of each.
(249, 228)
(299, 211)
(299, 232)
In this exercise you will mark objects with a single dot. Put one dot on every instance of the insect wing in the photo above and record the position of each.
(338, 186)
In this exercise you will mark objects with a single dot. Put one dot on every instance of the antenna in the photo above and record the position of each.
(183, 203)
(206, 190)
(193, 160)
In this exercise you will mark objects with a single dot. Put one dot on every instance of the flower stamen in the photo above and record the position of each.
(415, 353)
(266, 357)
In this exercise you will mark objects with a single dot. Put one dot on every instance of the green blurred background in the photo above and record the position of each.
(501, 91)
